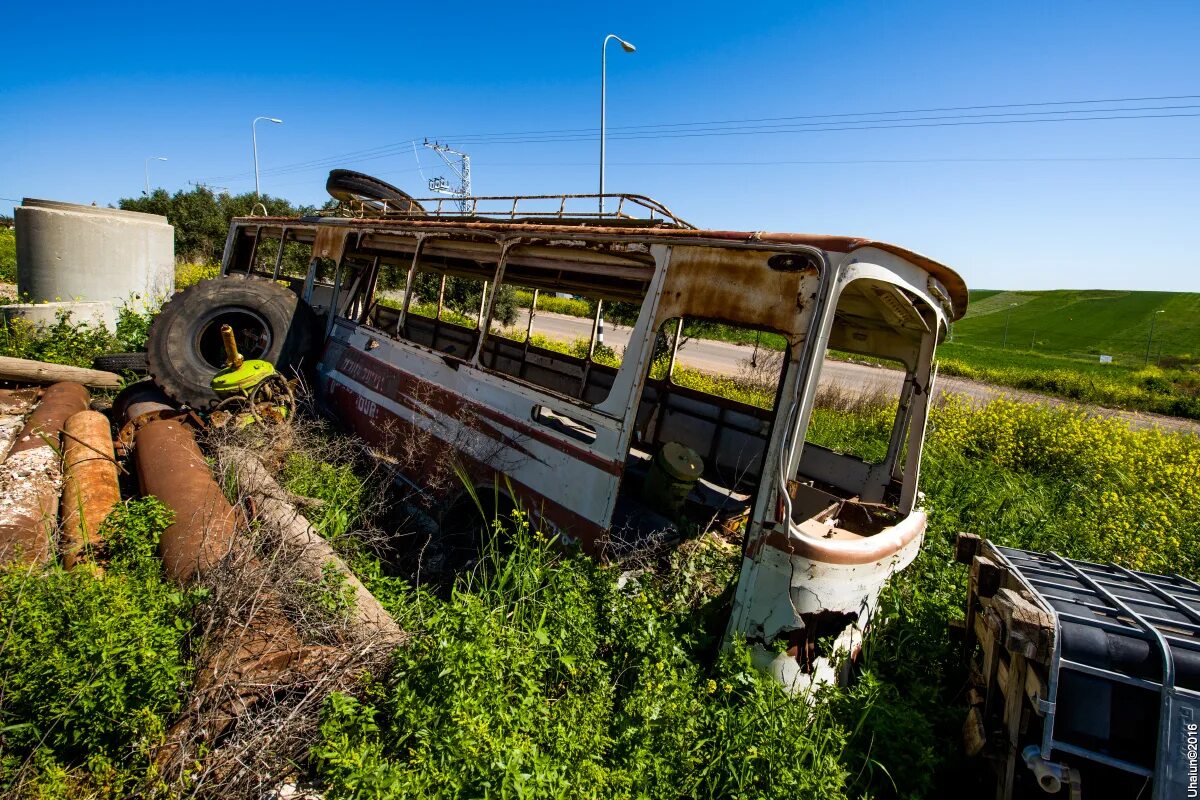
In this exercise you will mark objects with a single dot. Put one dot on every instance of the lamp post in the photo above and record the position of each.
(1007, 320)
(148, 160)
(628, 48)
(254, 142)
(1150, 339)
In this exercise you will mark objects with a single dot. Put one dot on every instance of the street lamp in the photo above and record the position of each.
(1007, 320)
(1150, 339)
(628, 48)
(254, 141)
(148, 160)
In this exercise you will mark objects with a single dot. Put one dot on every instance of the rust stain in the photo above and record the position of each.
(90, 490)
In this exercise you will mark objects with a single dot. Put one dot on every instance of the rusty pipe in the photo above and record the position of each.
(137, 405)
(31, 478)
(171, 467)
(243, 664)
(90, 488)
(14, 404)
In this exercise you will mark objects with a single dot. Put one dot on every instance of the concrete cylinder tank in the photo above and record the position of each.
(95, 258)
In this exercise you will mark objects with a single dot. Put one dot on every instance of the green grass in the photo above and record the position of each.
(1082, 324)
(91, 665)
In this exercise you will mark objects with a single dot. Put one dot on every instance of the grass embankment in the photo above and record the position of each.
(1052, 346)
(1054, 341)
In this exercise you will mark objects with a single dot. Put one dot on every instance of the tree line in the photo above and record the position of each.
(201, 218)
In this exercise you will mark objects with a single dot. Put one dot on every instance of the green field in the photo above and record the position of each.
(1082, 324)
(1051, 342)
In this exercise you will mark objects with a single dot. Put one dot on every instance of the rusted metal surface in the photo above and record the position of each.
(17, 401)
(140, 404)
(31, 478)
(441, 390)
(90, 488)
(242, 664)
(171, 467)
(955, 286)
(698, 284)
(14, 405)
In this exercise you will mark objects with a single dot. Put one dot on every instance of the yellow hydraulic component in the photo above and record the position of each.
(233, 359)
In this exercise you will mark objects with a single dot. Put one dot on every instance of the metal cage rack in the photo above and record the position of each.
(628, 210)
(1119, 678)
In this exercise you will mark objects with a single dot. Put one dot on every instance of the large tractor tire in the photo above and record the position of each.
(185, 350)
(349, 186)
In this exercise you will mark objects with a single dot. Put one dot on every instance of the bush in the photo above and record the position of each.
(190, 273)
(64, 342)
(544, 675)
(92, 664)
(8, 255)
(76, 343)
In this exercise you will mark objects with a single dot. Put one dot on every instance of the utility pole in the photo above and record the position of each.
(148, 160)
(1150, 339)
(461, 170)
(254, 145)
(1007, 320)
(628, 48)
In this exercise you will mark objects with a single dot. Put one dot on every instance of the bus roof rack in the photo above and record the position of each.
(632, 210)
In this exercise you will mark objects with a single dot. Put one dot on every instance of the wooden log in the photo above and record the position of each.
(90, 490)
(312, 553)
(24, 370)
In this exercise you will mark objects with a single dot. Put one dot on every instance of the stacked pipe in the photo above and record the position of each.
(91, 488)
(31, 478)
(238, 670)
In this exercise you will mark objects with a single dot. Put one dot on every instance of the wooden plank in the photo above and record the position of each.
(986, 576)
(966, 547)
(1028, 630)
(1014, 697)
(1035, 688)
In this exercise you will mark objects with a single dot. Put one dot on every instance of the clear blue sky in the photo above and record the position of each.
(89, 90)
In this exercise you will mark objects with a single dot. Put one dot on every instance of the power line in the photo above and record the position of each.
(747, 127)
(866, 125)
(461, 137)
(661, 128)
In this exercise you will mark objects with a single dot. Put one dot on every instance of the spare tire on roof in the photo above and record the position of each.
(349, 186)
(185, 349)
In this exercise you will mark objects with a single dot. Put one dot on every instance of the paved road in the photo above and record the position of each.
(723, 357)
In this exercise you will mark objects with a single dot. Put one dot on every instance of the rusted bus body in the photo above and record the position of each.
(571, 437)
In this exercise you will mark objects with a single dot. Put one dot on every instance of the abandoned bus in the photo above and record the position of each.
(440, 364)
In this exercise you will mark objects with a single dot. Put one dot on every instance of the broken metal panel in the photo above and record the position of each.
(469, 411)
(738, 287)
(790, 579)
